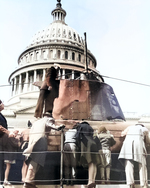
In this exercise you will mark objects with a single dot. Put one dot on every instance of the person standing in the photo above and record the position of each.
(35, 153)
(48, 92)
(134, 150)
(3, 120)
(107, 141)
(3, 123)
(70, 155)
(10, 149)
(89, 151)
(9, 143)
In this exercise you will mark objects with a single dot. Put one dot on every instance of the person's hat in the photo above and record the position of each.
(102, 129)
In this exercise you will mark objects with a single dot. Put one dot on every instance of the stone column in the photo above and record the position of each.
(48, 53)
(15, 85)
(26, 84)
(35, 75)
(34, 79)
(62, 54)
(12, 87)
(54, 53)
(56, 15)
(20, 79)
(34, 56)
(30, 83)
(44, 72)
(70, 55)
(63, 74)
(41, 54)
(72, 77)
(59, 74)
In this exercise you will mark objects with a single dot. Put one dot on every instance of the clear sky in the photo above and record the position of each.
(118, 35)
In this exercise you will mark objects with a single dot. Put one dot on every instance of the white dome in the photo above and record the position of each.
(57, 32)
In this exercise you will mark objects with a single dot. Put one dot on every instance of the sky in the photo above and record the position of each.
(118, 35)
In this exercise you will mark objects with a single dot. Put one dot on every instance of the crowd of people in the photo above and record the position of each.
(80, 148)
(83, 146)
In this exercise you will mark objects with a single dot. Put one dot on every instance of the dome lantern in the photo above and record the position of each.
(58, 13)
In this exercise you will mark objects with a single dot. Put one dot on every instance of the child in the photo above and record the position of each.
(107, 141)
(70, 156)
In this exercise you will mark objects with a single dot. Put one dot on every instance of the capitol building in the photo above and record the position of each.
(57, 45)
(83, 95)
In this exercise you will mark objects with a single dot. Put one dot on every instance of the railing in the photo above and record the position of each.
(54, 168)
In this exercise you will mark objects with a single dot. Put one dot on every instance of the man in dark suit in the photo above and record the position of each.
(49, 90)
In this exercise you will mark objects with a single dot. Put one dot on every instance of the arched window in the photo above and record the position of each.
(31, 57)
(80, 57)
(74, 35)
(37, 55)
(66, 54)
(44, 54)
(58, 54)
(73, 56)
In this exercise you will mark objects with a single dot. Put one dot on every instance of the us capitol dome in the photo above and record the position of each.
(56, 45)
